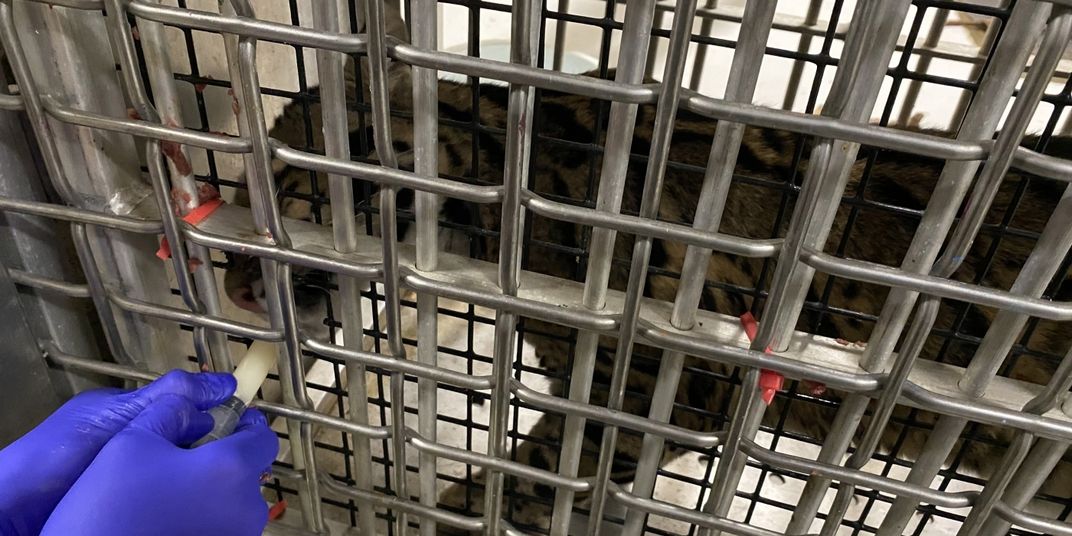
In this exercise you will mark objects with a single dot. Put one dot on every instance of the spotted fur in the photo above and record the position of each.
(887, 192)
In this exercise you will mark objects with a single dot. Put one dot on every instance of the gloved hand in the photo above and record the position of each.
(37, 469)
(144, 482)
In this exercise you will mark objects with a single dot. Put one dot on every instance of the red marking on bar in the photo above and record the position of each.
(194, 217)
(770, 382)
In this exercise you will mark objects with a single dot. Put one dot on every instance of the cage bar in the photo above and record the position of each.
(496, 294)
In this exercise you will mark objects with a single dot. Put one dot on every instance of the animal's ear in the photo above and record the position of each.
(392, 20)
(399, 83)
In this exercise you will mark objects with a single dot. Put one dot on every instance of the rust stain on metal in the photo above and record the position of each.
(173, 150)
(200, 87)
(235, 107)
(813, 388)
(180, 199)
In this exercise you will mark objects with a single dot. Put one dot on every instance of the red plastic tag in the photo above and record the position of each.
(770, 382)
(193, 217)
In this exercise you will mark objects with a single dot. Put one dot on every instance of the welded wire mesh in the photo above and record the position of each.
(366, 453)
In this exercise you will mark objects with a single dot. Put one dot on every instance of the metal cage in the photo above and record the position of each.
(116, 133)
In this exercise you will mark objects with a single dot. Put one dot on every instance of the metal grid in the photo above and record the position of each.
(922, 284)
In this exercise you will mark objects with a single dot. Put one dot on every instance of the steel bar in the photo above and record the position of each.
(113, 178)
(11, 103)
(381, 110)
(855, 89)
(692, 517)
(1054, 41)
(961, 149)
(196, 281)
(1040, 463)
(692, 236)
(616, 417)
(699, 59)
(404, 506)
(721, 162)
(27, 279)
(524, 44)
(144, 129)
(424, 23)
(330, 68)
(961, 499)
(1042, 429)
(1015, 480)
(926, 313)
(31, 100)
(78, 215)
(560, 37)
(811, 18)
(417, 368)
(64, 359)
(981, 121)
(1032, 522)
(1013, 301)
(241, 57)
(934, 36)
(620, 124)
(247, 26)
(98, 292)
(514, 468)
(194, 319)
(662, 132)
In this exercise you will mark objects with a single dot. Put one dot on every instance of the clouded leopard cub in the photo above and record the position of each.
(882, 205)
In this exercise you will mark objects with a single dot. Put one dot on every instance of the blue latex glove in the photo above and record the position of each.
(144, 482)
(38, 469)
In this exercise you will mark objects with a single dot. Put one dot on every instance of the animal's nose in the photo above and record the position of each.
(245, 298)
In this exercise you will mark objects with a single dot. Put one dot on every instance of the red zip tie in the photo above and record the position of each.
(277, 510)
(770, 382)
(193, 217)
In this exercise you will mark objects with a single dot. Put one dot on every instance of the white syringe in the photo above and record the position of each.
(250, 374)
